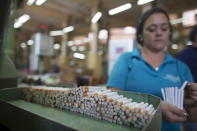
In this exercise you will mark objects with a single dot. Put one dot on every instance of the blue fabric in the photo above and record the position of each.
(132, 73)
(189, 57)
(190, 126)
(166, 126)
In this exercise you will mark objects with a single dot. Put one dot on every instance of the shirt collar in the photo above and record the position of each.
(169, 58)
(136, 54)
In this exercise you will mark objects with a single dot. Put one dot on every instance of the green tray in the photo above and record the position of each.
(20, 115)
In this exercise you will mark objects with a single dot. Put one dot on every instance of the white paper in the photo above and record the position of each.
(163, 94)
(184, 85)
(174, 95)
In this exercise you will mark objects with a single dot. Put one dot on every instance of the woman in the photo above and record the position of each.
(151, 68)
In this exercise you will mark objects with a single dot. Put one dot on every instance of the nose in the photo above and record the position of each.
(158, 32)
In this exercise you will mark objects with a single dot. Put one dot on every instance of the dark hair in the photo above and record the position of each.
(193, 34)
(144, 17)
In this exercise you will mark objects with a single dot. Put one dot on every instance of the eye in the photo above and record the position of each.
(151, 29)
(165, 28)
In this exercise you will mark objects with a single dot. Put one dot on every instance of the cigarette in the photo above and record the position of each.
(172, 95)
(163, 94)
(181, 99)
(184, 85)
(96, 102)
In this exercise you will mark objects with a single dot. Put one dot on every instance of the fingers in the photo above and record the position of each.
(191, 91)
(179, 118)
(172, 113)
(177, 111)
(192, 86)
(194, 93)
(194, 97)
(175, 118)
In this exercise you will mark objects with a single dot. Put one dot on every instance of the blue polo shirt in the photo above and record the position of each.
(132, 73)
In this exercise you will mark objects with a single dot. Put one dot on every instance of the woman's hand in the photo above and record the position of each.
(172, 113)
(190, 101)
(191, 91)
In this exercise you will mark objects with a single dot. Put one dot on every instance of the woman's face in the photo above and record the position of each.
(156, 32)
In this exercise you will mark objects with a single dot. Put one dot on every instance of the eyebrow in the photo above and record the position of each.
(158, 24)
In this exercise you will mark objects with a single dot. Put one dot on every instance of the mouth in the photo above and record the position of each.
(159, 40)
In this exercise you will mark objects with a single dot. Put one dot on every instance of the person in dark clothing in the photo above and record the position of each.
(189, 57)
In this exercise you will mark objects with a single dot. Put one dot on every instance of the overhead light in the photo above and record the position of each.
(24, 18)
(23, 45)
(120, 9)
(70, 43)
(74, 48)
(17, 24)
(96, 17)
(30, 2)
(176, 21)
(103, 34)
(21, 20)
(30, 42)
(61, 32)
(81, 48)
(79, 55)
(141, 2)
(68, 29)
(56, 33)
(40, 2)
(56, 46)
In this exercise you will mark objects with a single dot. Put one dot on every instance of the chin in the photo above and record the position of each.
(158, 49)
(160, 46)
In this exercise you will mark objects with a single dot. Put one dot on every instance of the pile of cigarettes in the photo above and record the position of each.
(174, 95)
(97, 102)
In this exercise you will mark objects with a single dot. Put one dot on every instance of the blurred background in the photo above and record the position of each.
(76, 42)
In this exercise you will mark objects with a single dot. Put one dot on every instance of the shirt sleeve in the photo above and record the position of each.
(186, 74)
(119, 74)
